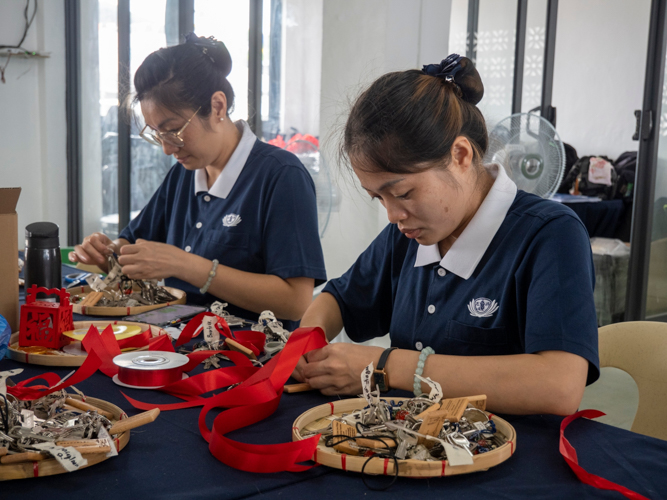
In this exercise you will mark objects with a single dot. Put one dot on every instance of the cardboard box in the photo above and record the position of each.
(9, 257)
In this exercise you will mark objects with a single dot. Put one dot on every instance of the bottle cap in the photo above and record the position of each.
(42, 235)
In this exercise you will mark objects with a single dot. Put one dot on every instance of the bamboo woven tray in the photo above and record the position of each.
(121, 311)
(69, 359)
(317, 418)
(50, 467)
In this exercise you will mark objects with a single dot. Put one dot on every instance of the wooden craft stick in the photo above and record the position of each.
(91, 450)
(82, 442)
(453, 408)
(91, 299)
(71, 408)
(86, 407)
(478, 401)
(136, 421)
(3, 451)
(28, 456)
(376, 443)
(235, 346)
(290, 388)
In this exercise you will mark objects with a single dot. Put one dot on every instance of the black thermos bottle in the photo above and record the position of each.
(42, 257)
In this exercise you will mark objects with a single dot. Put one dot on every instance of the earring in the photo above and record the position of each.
(222, 119)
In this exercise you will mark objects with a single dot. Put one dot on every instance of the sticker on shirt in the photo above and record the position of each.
(482, 307)
(231, 220)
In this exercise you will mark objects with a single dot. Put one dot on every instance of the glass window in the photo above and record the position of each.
(99, 110)
(148, 21)
(533, 64)
(229, 21)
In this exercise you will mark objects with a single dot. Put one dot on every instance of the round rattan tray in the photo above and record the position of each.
(69, 359)
(319, 417)
(121, 311)
(50, 466)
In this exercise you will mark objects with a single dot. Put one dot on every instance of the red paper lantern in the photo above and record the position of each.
(42, 323)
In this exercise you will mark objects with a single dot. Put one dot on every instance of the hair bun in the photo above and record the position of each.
(214, 50)
(460, 71)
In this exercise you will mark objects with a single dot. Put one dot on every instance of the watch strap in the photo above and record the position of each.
(379, 374)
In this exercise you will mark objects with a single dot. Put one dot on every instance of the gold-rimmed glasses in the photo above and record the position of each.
(172, 138)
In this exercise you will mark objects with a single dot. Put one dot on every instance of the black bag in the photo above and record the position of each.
(571, 158)
(578, 177)
(626, 168)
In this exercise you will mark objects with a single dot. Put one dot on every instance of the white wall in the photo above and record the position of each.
(599, 73)
(32, 116)
(361, 41)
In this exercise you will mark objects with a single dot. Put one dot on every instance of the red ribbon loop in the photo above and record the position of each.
(570, 456)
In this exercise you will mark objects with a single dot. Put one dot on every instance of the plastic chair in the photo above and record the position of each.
(639, 348)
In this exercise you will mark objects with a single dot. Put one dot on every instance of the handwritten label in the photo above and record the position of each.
(211, 333)
(366, 378)
(68, 457)
(436, 390)
(103, 435)
(452, 409)
(3, 379)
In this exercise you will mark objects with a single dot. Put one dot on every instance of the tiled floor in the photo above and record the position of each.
(615, 394)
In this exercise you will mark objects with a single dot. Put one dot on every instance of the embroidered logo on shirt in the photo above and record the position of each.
(482, 307)
(231, 220)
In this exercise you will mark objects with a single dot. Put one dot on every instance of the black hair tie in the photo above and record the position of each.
(446, 70)
(203, 43)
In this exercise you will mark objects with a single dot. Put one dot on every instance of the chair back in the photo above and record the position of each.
(639, 348)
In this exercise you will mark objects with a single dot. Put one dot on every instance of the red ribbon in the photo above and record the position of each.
(247, 338)
(570, 456)
(22, 391)
(254, 399)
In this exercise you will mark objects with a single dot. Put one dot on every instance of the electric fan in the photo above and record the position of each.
(530, 150)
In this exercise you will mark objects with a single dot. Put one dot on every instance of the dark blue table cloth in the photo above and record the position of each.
(169, 459)
(601, 218)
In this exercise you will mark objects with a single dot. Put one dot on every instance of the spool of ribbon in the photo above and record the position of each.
(149, 369)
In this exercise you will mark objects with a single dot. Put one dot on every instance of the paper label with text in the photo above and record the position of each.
(68, 457)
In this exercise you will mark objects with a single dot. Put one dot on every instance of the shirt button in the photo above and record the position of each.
(207, 198)
(419, 346)
(431, 309)
(441, 272)
(198, 225)
(188, 248)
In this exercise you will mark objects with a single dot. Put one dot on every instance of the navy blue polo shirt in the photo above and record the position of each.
(521, 283)
(260, 216)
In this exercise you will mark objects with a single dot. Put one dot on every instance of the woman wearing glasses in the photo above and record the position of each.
(235, 219)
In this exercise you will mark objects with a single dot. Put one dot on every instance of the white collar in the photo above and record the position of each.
(226, 180)
(466, 252)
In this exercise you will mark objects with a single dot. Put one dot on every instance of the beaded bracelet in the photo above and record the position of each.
(426, 352)
(211, 275)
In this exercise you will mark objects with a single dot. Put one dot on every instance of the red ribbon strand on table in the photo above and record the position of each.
(255, 397)
(570, 456)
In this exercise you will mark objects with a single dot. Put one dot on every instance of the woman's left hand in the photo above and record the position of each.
(336, 368)
(150, 260)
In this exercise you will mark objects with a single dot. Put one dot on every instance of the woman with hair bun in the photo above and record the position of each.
(482, 288)
(235, 219)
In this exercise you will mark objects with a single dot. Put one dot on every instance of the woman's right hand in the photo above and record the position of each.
(94, 250)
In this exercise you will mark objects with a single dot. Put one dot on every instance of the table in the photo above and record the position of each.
(170, 459)
(601, 218)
